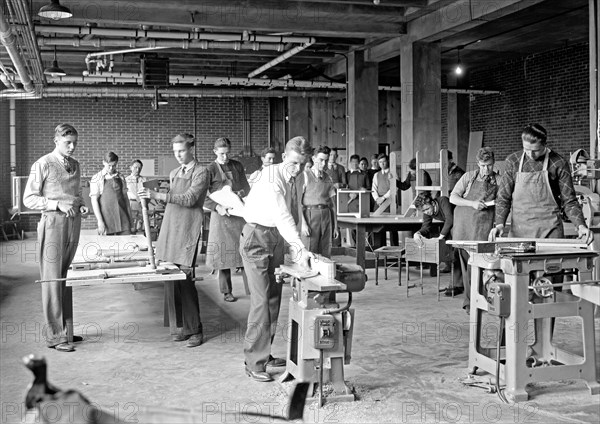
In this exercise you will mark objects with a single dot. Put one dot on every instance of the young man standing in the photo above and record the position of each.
(225, 229)
(268, 223)
(179, 237)
(317, 212)
(53, 187)
(381, 191)
(267, 157)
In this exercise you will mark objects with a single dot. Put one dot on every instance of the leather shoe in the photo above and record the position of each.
(64, 347)
(261, 376)
(194, 340)
(77, 339)
(229, 298)
(276, 362)
(454, 291)
(180, 338)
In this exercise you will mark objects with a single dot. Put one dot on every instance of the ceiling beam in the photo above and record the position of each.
(318, 19)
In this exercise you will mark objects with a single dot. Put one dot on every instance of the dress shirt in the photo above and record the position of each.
(134, 184)
(97, 182)
(268, 203)
(374, 186)
(45, 197)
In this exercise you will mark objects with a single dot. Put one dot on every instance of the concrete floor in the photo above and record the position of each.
(408, 356)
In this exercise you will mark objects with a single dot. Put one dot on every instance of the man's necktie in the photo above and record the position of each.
(293, 200)
(68, 166)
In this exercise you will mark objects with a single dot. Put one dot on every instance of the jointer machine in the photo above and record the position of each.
(319, 329)
(522, 282)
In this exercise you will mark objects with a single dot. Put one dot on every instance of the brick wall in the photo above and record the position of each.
(131, 128)
(550, 88)
(4, 154)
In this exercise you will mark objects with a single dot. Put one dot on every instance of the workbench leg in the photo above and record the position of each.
(376, 269)
(385, 265)
(360, 246)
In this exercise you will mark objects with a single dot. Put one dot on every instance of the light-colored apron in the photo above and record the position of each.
(473, 224)
(535, 213)
(224, 234)
(181, 227)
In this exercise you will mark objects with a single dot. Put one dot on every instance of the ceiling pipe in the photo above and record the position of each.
(122, 77)
(139, 92)
(23, 10)
(446, 90)
(9, 40)
(278, 60)
(137, 49)
(173, 35)
(182, 44)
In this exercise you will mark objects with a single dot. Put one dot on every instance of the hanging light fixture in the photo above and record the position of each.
(459, 70)
(55, 70)
(55, 11)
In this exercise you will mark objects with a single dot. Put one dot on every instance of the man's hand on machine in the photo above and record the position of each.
(304, 258)
(418, 237)
(584, 233)
(496, 232)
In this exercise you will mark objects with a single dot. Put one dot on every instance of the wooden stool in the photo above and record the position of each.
(387, 251)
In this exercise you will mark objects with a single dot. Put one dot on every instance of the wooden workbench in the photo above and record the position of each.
(376, 224)
(95, 250)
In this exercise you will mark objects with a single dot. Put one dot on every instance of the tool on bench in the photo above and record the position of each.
(104, 265)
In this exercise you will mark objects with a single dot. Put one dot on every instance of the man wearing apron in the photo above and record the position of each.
(536, 184)
(474, 196)
(134, 184)
(269, 222)
(316, 209)
(222, 252)
(179, 236)
(108, 191)
(53, 187)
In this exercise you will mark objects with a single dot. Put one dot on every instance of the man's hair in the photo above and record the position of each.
(186, 138)
(321, 149)
(450, 155)
(374, 156)
(424, 198)
(136, 161)
(63, 130)
(264, 152)
(111, 157)
(535, 133)
(355, 157)
(383, 156)
(363, 158)
(222, 142)
(413, 164)
(299, 145)
(485, 154)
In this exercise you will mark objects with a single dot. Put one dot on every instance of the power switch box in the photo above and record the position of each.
(324, 332)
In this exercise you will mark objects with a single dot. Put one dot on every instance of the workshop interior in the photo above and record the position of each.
(322, 210)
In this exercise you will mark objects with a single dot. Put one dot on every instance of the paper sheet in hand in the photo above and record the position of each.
(227, 198)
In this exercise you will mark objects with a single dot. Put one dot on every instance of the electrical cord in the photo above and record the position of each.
(498, 389)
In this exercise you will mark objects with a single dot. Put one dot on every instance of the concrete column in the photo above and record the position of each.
(363, 105)
(459, 127)
(421, 108)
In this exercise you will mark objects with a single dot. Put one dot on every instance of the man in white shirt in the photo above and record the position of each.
(269, 222)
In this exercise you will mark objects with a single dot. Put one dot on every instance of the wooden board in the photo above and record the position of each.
(475, 143)
(95, 248)
(137, 274)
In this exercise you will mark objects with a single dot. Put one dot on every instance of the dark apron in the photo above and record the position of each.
(113, 206)
(473, 224)
(223, 250)
(535, 213)
(181, 227)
